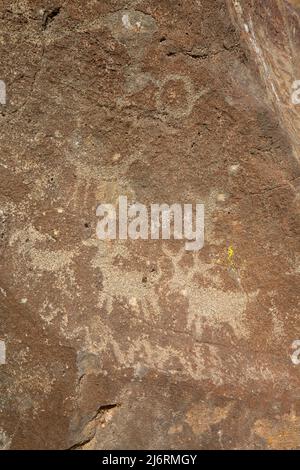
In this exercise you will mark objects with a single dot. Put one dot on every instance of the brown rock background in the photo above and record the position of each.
(140, 344)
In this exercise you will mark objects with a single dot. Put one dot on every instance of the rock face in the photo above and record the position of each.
(135, 344)
(272, 32)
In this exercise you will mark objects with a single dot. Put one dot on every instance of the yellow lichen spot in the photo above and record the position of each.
(230, 255)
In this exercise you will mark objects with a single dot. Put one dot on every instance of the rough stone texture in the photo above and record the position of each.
(139, 344)
(272, 32)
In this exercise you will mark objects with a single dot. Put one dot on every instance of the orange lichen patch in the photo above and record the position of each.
(283, 434)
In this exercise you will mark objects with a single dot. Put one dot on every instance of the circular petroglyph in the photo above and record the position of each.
(177, 95)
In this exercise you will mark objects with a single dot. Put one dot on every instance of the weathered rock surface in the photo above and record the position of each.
(272, 32)
(140, 344)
